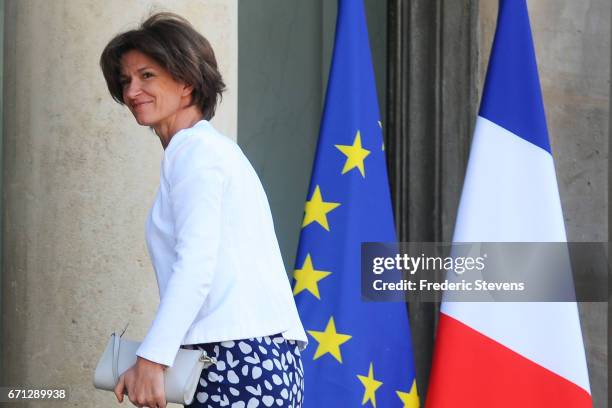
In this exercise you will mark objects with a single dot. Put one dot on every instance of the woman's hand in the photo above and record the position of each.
(144, 382)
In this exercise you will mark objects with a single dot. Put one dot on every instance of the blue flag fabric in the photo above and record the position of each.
(512, 97)
(359, 353)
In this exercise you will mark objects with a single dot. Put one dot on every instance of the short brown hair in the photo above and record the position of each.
(173, 43)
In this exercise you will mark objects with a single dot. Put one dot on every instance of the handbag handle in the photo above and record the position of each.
(116, 347)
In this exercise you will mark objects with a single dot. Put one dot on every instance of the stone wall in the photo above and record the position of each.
(79, 178)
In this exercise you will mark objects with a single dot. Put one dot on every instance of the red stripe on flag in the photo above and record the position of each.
(472, 370)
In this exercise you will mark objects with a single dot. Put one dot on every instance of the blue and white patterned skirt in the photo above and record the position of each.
(257, 372)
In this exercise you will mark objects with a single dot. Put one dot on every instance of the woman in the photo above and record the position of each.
(223, 287)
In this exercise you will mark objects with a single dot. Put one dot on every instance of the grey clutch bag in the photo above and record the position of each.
(180, 380)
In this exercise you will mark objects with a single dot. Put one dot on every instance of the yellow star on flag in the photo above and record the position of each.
(355, 155)
(329, 341)
(316, 209)
(307, 278)
(410, 399)
(371, 385)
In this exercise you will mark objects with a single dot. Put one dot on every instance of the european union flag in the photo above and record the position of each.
(360, 353)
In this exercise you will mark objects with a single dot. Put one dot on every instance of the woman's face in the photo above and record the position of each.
(151, 94)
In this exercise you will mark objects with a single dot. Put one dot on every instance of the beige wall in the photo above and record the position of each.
(79, 176)
(572, 43)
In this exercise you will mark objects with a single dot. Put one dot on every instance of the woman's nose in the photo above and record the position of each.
(132, 89)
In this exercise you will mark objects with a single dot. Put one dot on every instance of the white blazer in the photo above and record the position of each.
(211, 240)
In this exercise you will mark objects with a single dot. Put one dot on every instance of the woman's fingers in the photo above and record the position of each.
(158, 391)
(147, 397)
(127, 382)
(160, 400)
(151, 378)
(144, 384)
(119, 389)
(156, 401)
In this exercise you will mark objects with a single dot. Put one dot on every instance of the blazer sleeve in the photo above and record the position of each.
(196, 182)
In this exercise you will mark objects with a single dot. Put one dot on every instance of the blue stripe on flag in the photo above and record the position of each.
(512, 97)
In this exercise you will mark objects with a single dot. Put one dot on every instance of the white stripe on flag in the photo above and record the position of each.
(510, 192)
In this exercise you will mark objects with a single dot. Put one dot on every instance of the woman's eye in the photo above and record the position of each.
(147, 75)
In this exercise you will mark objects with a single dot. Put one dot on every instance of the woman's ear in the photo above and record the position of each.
(187, 90)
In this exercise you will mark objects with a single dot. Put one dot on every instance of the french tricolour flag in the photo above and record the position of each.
(510, 354)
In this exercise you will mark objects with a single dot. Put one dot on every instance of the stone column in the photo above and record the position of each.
(431, 110)
(79, 177)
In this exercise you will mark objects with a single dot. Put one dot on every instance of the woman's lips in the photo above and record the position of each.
(140, 104)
